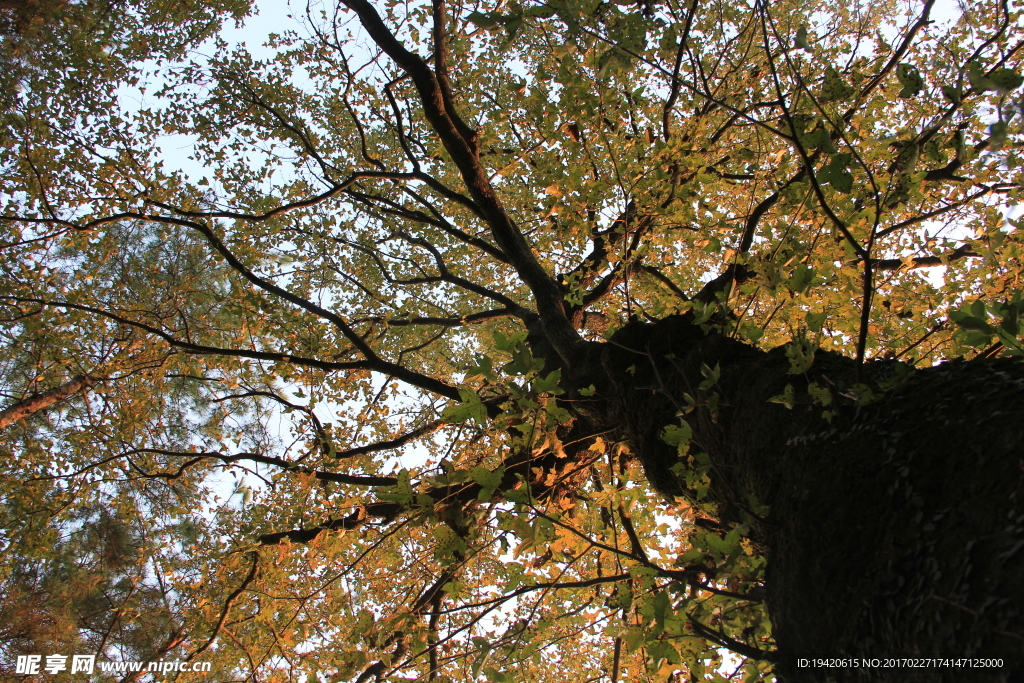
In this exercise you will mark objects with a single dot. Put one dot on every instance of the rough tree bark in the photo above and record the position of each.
(895, 528)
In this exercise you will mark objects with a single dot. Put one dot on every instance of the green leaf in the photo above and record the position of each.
(516, 496)
(969, 322)
(751, 332)
(911, 80)
(802, 276)
(820, 139)
(800, 353)
(678, 435)
(952, 93)
(835, 88)
(1006, 80)
(403, 481)
(786, 398)
(976, 338)
(489, 20)
(513, 23)
(997, 135)
(800, 39)
(1010, 321)
(819, 394)
(711, 376)
(713, 246)
(470, 407)
(486, 478)
(815, 321)
(484, 368)
(611, 60)
(549, 384)
(495, 676)
(662, 607)
(835, 172)
(504, 342)
(977, 78)
(539, 11)
(843, 182)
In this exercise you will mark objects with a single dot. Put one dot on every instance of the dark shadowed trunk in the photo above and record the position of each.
(895, 526)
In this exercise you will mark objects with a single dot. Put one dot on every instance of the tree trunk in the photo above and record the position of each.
(895, 527)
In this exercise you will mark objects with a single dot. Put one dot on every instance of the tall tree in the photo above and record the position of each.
(572, 340)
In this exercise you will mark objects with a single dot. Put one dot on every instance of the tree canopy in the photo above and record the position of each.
(343, 397)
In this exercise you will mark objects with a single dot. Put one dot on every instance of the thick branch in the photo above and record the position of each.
(560, 333)
(411, 435)
(664, 279)
(750, 227)
(963, 251)
(384, 511)
(441, 69)
(468, 319)
(336, 477)
(920, 218)
(37, 402)
(594, 262)
(730, 643)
